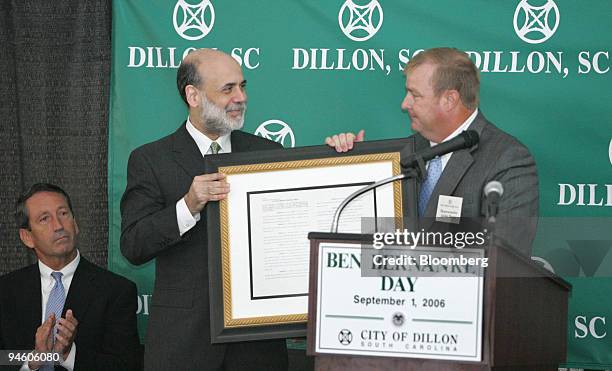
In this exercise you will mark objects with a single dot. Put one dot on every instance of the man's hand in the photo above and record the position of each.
(66, 331)
(204, 188)
(43, 340)
(343, 142)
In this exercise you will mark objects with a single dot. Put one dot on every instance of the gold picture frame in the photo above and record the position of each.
(227, 324)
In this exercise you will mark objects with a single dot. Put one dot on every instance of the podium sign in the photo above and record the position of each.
(410, 316)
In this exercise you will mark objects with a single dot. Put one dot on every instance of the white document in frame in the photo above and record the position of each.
(279, 222)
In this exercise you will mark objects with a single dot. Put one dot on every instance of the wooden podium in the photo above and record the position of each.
(524, 317)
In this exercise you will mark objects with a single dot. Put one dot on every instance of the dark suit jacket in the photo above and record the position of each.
(178, 334)
(104, 304)
(497, 156)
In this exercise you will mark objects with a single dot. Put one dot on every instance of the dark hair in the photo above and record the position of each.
(454, 70)
(21, 211)
(187, 74)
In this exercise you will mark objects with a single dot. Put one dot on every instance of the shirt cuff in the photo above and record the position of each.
(68, 363)
(25, 367)
(185, 220)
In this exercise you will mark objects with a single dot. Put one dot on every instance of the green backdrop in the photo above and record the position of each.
(321, 67)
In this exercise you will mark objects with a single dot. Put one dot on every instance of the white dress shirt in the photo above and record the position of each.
(184, 218)
(463, 127)
(46, 285)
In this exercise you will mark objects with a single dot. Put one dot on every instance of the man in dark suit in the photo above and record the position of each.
(442, 96)
(167, 190)
(88, 314)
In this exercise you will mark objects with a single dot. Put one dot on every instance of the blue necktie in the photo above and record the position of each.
(55, 304)
(434, 170)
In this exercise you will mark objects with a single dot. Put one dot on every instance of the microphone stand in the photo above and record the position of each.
(408, 172)
(491, 220)
(413, 167)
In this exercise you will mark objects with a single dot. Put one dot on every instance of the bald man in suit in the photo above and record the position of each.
(167, 190)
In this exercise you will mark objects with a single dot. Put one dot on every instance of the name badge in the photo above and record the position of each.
(449, 209)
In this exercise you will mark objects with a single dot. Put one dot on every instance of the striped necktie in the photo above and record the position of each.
(434, 170)
(55, 304)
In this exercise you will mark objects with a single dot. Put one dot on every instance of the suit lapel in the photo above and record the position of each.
(239, 142)
(454, 171)
(82, 290)
(188, 156)
(186, 152)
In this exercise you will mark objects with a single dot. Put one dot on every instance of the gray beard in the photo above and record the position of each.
(217, 122)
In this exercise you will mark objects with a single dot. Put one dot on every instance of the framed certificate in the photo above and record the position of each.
(258, 236)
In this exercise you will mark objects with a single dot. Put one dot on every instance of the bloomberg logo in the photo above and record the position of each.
(586, 194)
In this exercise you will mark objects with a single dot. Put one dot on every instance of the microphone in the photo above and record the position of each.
(464, 140)
(493, 192)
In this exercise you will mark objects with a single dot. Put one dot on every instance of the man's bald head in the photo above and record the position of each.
(212, 85)
(197, 65)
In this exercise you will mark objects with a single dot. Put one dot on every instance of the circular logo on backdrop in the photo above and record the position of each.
(535, 21)
(610, 152)
(345, 337)
(360, 22)
(277, 131)
(193, 21)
